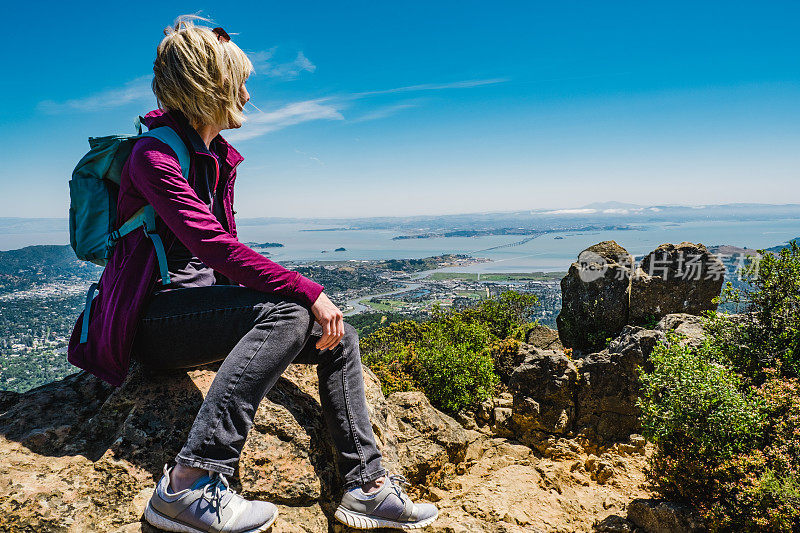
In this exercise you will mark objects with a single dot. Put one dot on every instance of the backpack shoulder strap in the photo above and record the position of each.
(169, 137)
(144, 217)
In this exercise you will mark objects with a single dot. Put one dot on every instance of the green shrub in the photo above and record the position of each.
(449, 358)
(692, 398)
(725, 416)
(768, 333)
(701, 418)
(503, 314)
(457, 370)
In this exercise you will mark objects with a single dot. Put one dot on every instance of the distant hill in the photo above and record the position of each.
(19, 269)
(782, 246)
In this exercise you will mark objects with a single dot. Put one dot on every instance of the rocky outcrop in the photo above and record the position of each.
(681, 278)
(604, 291)
(558, 450)
(594, 297)
(609, 385)
(543, 391)
(656, 516)
(543, 337)
(593, 396)
(79, 455)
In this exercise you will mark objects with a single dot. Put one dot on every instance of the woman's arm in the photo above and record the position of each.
(156, 173)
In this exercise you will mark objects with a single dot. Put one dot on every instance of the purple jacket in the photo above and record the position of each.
(152, 175)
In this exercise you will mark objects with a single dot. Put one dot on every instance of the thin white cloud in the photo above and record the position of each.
(261, 60)
(139, 90)
(261, 122)
(310, 156)
(465, 84)
(264, 122)
(134, 91)
(264, 63)
(384, 112)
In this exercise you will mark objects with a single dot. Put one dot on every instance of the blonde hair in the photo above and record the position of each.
(199, 75)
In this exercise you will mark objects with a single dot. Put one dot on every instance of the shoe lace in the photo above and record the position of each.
(398, 481)
(214, 491)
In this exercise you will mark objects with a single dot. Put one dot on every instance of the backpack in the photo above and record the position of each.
(93, 191)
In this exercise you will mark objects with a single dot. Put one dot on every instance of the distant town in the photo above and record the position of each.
(43, 288)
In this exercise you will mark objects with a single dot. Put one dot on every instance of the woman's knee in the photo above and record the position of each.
(293, 318)
(350, 338)
(301, 318)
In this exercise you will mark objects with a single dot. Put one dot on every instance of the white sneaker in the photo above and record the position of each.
(209, 505)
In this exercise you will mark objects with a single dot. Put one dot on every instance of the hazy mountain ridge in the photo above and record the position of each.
(602, 213)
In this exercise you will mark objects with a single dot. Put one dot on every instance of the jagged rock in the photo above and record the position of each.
(7, 399)
(543, 337)
(681, 278)
(615, 524)
(609, 385)
(636, 343)
(101, 450)
(427, 439)
(505, 399)
(495, 415)
(594, 395)
(79, 455)
(594, 297)
(656, 516)
(690, 326)
(543, 389)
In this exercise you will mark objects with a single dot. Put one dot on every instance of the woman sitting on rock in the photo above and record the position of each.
(224, 302)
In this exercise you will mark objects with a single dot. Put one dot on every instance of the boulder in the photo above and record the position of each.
(510, 353)
(543, 389)
(609, 385)
(688, 326)
(543, 337)
(426, 439)
(681, 278)
(79, 455)
(594, 297)
(657, 516)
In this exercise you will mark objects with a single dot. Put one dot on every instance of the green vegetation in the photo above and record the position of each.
(20, 373)
(448, 357)
(725, 416)
(35, 265)
(419, 265)
(342, 278)
(33, 338)
(768, 336)
(368, 323)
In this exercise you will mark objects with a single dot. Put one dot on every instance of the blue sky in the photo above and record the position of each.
(384, 108)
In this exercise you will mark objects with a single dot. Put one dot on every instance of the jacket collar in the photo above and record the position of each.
(175, 120)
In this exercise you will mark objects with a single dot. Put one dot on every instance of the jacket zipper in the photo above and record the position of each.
(216, 184)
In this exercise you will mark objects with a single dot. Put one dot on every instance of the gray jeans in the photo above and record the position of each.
(257, 336)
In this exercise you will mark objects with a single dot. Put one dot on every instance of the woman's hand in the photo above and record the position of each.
(331, 320)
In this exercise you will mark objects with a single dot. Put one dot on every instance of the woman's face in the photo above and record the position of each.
(244, 96)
